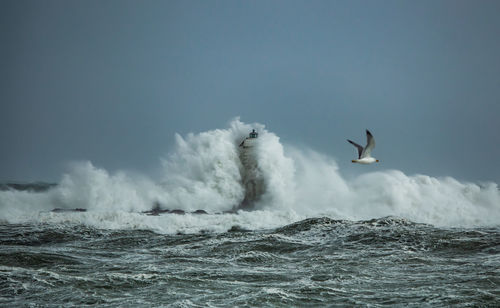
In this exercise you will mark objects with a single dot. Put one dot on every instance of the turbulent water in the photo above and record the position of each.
(289, 232)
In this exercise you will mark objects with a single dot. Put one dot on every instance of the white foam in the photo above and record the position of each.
(204, 172)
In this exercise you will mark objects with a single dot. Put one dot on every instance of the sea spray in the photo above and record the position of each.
(95, 189)
(205, 172)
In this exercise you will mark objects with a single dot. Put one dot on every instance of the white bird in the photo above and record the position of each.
(364, 153)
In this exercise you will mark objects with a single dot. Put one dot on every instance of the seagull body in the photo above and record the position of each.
(364, 156)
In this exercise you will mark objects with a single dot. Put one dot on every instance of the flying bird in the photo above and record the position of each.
(364, 156)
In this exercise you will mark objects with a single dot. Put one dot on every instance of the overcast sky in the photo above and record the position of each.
(113, 81)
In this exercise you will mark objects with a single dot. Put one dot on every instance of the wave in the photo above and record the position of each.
(209, 171)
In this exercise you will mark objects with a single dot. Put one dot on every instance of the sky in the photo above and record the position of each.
(111, 82)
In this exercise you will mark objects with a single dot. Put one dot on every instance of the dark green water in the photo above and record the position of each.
(314, 262)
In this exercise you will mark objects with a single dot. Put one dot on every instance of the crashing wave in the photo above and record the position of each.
(277, 185)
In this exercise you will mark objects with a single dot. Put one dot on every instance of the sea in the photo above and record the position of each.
(266, 225)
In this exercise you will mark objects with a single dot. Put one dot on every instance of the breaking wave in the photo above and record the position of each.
(209, 171)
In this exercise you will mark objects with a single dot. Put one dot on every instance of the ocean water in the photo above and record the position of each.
(276, 226)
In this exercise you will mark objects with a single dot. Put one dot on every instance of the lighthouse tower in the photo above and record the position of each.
(251, 175)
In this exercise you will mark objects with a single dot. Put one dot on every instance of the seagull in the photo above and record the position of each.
(364, 153)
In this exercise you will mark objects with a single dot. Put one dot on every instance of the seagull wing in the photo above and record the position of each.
(360, 148)
(370, 144)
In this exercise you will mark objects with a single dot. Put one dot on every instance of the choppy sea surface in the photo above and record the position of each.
(313, 262)
(231, 224)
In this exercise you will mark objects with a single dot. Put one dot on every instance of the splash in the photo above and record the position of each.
(274, 184)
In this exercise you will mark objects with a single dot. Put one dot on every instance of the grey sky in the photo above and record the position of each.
(112, 81)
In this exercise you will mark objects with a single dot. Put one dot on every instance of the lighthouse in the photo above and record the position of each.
(251, 175)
